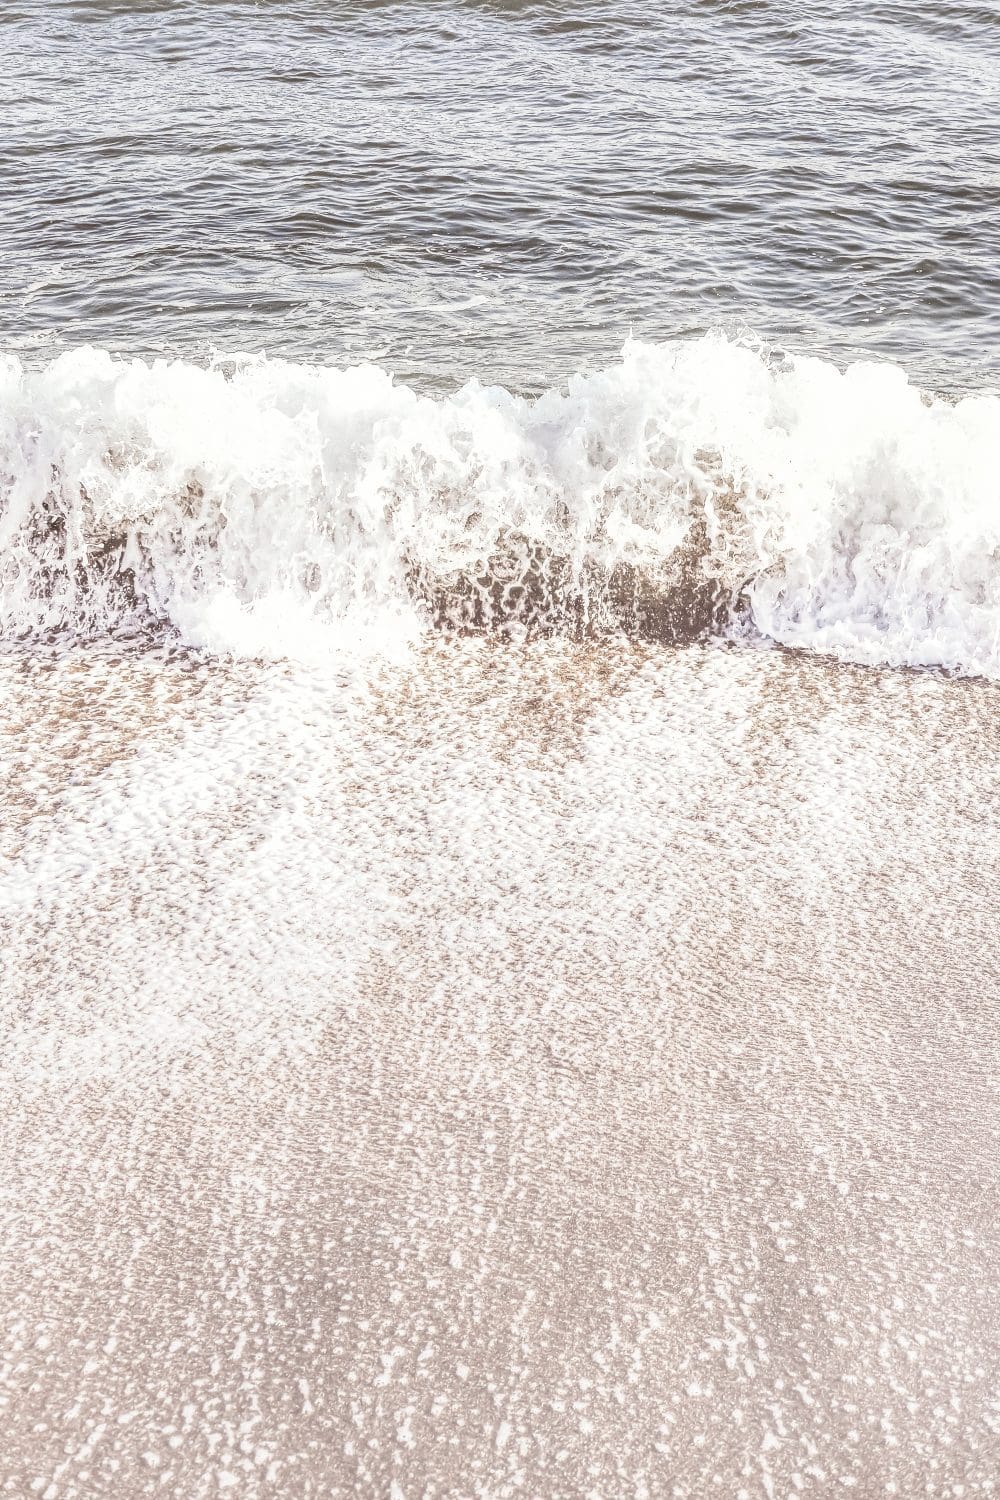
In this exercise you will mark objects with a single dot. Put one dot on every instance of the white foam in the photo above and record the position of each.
(269, 508)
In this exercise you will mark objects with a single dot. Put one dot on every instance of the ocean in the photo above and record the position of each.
(499, 644)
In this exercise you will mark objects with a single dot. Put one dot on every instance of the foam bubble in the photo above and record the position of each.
(267, 508)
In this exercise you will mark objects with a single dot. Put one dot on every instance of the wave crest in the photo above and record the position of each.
(263, 507)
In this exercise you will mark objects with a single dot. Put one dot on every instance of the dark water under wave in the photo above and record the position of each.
(502, 189)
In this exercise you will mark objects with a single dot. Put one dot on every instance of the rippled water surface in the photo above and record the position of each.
(506, 189)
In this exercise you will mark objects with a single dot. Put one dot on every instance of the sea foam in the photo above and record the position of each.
(264, 508)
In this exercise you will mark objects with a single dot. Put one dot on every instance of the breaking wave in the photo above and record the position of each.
(260, 507)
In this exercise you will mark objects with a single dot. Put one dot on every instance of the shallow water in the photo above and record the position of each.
(560, 1070)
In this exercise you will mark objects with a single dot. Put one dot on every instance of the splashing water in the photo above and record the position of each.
(259, 507)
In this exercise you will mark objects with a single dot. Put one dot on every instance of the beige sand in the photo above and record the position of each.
(553, 1072)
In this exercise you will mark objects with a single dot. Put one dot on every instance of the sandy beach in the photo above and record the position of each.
(553, 1070)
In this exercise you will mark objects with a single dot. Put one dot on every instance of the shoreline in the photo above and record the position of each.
(535, 1070)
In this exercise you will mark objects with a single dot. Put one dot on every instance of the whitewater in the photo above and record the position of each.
(264, 508)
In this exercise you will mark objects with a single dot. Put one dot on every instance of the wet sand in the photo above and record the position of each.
(551, 1071)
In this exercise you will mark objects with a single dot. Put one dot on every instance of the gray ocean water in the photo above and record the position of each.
(502, 190)
(499, 752)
